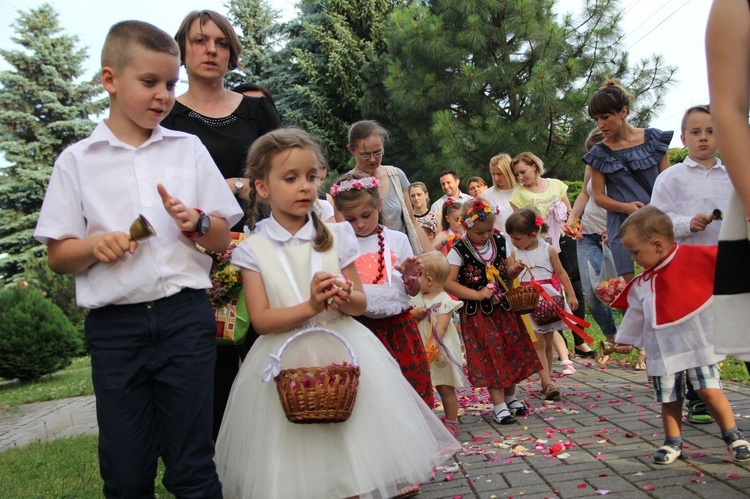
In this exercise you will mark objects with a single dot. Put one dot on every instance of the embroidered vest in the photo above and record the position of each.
(472, 273)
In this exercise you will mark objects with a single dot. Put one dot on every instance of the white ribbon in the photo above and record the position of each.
(273, 368)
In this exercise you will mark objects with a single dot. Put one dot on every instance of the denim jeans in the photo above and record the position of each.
(590, 250)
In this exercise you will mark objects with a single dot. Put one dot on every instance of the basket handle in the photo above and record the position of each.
(273, 368)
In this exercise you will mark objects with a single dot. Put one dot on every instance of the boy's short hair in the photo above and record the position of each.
(436, 265)
(648, 222)
(695, 109)
(117, 51)
(235, 47)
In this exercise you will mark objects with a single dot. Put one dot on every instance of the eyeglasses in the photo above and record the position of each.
(365, 156)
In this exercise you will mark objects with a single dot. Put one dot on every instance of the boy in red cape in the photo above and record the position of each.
(669, 314)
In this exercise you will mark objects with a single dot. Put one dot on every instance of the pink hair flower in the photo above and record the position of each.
(538, 221)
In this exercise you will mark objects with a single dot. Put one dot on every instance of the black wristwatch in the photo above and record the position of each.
(201, 227)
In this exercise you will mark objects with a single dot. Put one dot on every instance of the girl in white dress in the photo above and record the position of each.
(299, 272)
(434, 309)
(543, 264)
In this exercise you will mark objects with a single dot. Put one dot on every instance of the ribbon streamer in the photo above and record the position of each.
(574, 323)
(432, 315)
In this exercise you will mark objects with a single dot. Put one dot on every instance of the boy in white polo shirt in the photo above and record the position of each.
(151, 330)
(691, 192)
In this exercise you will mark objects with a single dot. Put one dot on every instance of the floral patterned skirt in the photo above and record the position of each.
(400, 336)
(499, 352)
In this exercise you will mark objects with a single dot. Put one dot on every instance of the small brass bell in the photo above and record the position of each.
(141, 229)
(608, 348)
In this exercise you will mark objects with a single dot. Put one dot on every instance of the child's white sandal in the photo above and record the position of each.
(568, 367)
(667, 454)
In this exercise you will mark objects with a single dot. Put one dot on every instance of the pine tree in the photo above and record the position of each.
(317, 77)
(471, 78)
(44, 107)
(259, 34)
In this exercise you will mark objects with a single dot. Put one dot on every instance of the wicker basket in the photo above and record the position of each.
(316, 394)
(522, 300)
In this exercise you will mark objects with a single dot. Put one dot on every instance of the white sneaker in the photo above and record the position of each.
(568, 367)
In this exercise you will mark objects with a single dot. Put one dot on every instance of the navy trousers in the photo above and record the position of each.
(152, 369)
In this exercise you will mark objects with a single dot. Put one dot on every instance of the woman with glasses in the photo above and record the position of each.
(366, 145)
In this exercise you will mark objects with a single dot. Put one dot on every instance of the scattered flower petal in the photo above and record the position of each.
(603, 492)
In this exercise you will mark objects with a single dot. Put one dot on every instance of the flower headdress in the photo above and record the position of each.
(478, 210)
(538, 221)
(356, 184)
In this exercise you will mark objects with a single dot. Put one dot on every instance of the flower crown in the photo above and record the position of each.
(478, 210)
(356, 184)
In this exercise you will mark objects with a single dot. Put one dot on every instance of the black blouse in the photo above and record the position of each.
(227, 139)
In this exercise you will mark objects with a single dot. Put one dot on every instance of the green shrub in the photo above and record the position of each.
(574, 189)
(36, 338)
(61, 289)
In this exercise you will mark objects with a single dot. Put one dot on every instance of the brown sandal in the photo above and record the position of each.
(551, 393)
(640, 363)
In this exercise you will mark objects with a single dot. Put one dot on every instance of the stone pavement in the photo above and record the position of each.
(607, 422)
(44, 421)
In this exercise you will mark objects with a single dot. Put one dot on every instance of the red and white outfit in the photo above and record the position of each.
(388, 305)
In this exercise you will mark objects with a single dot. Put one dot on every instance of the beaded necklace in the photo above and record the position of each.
(213, 122)
(488, 247)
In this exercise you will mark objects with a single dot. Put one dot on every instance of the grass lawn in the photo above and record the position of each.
(731, 368)
(62, 468)
(73, 381)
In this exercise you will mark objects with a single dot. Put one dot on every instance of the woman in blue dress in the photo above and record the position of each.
(624, 167)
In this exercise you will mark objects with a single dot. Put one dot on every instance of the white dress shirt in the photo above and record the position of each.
(100, 185)
(686, 189)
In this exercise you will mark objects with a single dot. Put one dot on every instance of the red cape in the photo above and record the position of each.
(683, 284)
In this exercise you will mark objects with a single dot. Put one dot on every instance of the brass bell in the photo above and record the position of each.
(141, 229)
(606, 348)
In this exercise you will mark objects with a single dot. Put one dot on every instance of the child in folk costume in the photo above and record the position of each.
(499, 352)
(539, 261)
(434, 309)
(303, 275)
(672, 317)
(390, 274)
(451, 220)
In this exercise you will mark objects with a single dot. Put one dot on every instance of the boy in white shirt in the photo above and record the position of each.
(151, 330)
(671, 318)
(691, 192)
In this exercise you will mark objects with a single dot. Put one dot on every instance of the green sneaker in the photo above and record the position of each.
(698, 413)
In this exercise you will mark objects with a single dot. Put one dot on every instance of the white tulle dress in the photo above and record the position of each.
(392, 438)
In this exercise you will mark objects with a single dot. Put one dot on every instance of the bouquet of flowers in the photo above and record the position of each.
(226, 279)
(609, 289)
(573, 229)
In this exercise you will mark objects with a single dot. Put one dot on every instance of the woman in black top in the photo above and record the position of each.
(227, 123)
